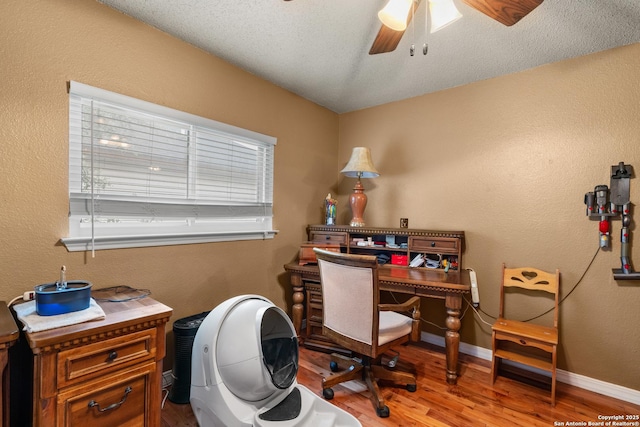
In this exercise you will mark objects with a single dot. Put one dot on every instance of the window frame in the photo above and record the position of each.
(217, 221)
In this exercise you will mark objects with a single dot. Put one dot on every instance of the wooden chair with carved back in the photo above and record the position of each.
(532, 344)
(354, 319)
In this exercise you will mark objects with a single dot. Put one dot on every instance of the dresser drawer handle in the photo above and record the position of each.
(113, 405)
(112, 355)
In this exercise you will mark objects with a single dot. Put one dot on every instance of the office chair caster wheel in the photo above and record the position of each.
(383, 412)
(327, 393)
(333, 366)
(411, 388)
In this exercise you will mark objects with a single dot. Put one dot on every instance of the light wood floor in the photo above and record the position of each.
(471, 402)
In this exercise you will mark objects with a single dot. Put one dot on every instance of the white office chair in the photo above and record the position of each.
(244, 367)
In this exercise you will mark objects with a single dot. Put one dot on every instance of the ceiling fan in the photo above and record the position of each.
(507, 12)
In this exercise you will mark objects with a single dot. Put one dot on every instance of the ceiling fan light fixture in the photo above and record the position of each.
(394, 14)
(443, 13)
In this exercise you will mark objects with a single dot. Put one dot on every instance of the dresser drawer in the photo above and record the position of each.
(434, 245)
(117, 400)
(339, 238)
(86, 362)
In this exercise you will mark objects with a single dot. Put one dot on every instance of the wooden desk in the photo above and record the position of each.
(8, 335)
(414, 281)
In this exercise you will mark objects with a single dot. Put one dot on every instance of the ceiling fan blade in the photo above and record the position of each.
(507, 12)
(387, 39)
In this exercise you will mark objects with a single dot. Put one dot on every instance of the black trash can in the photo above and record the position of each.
(184, 333)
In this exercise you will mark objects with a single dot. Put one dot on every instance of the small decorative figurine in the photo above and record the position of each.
(330, 210)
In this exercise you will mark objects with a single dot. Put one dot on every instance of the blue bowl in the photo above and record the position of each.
(52, 300)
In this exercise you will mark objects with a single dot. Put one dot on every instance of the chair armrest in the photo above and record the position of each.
(412, 305)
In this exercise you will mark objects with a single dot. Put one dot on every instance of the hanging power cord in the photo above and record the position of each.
(564, 297)
(164, 399)
(478, 311)
(27, 296)
(421, 318)
(412, 49)
(469, 304)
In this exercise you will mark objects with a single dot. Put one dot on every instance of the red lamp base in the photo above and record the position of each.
(358, 201)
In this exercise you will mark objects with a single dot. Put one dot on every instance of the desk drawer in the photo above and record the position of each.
(308, 256)
(328, 237)
(441, 245)
(82, 363)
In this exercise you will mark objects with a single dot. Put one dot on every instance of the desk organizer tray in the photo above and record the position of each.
(53, 298)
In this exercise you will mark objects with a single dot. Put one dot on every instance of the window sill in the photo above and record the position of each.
(77, 244)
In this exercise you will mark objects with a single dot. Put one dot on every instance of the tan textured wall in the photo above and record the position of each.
(43, 44)
(508, 160)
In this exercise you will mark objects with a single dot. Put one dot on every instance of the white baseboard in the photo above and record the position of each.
(577, 380)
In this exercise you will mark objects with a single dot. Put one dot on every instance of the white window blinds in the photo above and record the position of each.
(145, 175)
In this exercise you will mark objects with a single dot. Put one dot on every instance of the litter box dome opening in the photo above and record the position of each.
(257, 350)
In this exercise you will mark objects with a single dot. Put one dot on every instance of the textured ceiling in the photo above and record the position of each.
(318, 49)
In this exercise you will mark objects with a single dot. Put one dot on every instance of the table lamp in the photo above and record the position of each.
(359, 166)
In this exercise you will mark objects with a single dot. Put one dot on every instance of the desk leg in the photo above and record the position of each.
(298, 299)
(453, 304)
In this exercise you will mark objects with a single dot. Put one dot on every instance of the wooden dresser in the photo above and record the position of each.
(101, 373)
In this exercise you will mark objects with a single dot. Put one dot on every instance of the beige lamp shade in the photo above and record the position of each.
(360, 164)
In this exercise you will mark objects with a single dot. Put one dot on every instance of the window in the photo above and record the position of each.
(145, 175)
